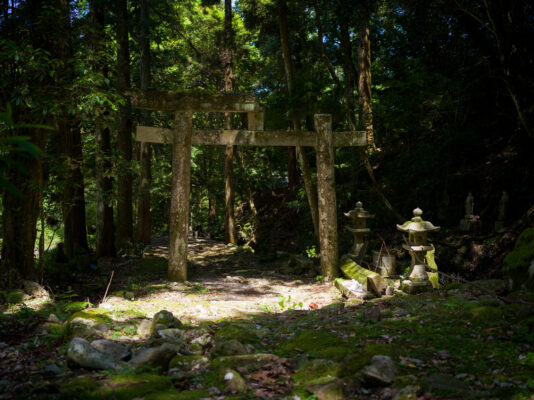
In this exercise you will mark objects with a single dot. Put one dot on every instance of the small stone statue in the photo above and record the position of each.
(469, 206)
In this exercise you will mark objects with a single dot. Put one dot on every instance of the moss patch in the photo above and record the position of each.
(126, 387)
(311, 341)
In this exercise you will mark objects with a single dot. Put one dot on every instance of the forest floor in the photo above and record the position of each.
(244, 329)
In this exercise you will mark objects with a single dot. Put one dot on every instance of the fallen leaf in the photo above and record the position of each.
(313, 306)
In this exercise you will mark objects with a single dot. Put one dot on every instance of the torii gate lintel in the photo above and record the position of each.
(182, 138)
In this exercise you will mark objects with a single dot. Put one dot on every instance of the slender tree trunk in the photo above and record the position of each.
(290, 78)
(72, 197)
(105, 230)
(348, 65)
(229, 193)
(144, 225)
(124, 128)
(364, 79)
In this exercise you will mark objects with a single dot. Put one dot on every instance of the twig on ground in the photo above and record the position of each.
(107, 288)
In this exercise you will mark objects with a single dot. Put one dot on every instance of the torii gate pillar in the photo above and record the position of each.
(180, 188)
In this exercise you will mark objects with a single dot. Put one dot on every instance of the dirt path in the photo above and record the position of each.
(224, 281)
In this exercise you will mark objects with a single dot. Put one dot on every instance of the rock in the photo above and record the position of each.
(187, 363)
(155, 357)
(408, 393)
(381, 371)
(143, 329)
(351, 270)
(52, 370)
(174, 335)
(234, 382)
(54, 319)
(84, 324)
(81, 354)
(351, 288)
(230, 347)
(115, 350)
(35, 290)
(377, 285)
(245, 362)
(164, 320)
(101, 327)
(390, 290)
(203, 341)
(301, 263)
(331, 391)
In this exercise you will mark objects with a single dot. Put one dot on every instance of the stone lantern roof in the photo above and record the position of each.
(416, 224)
(359, 212)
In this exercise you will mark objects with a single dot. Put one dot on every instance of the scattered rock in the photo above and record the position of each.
(390, 290)
(245, 362)
(203, 341)
(54, 319)
(155, 357)
(331, 391)
(52, 370)
(84, 324)
(499, 286)
(115, 350)
(230, 347)
(234, 382)
(35, 290)
(381, 371)
(377, 285)
(144, 327)
(82, 354)
(164, 320)
(174, 335)
(439, 381)
(409, 392)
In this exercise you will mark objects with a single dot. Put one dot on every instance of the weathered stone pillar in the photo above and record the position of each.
(180, 187)
(326, 190)
(255, 121)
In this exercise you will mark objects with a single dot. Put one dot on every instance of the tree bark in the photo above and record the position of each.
(364, 78)
(124, 129)
(105, 230)
(144, 224)
(290, 79)
(229, 193)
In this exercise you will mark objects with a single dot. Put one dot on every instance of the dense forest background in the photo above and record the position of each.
(444, 88)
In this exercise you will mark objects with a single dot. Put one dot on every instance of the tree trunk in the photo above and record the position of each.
(21, 213)
(364, 78)
(144, 225)
(72, 196)
(229, 193)
(290, 78)
(124, 129)
(348, 65)
(105, 231)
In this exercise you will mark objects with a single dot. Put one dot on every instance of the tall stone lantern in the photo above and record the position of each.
(417, 230)
(358, 227)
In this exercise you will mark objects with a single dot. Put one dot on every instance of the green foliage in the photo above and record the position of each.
(522, 254)
(286, 304)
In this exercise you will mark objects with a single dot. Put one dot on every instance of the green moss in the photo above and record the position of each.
(96, 318)
(186, 362)
(354, 271)
(355, 361)
(310, 341)
(336, 353)
(176, 395)
(76, 306)
(317, 372)
(79, 388)
(523, 253)
(126, 387)
(453, 285)
(487, 313)
(245, 334)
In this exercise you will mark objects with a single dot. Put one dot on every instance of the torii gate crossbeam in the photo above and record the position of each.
(182, 137)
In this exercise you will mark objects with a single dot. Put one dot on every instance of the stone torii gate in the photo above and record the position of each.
(181, 137)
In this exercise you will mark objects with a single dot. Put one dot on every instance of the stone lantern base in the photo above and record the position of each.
(414, 287)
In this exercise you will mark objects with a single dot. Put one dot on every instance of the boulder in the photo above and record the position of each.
(408, 393)
(33, 289)
(174, 335)
(233, 382)
(154, 357)
(84, 324)
(115, 350)
(230, 347)
(245, 362)
(164, 320)
(144, 328)
(381, 371)
(331, 391)
(81, 354)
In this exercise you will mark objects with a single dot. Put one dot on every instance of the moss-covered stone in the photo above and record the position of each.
(317, 373)
(487, 312)
(176, 395)
(83, 388)
(356, 360)
(430, 258)
(247, 362)
(522, 254)
(187, 362)
(127, 387)
(244, 333)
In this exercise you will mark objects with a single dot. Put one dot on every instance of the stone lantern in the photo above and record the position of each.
(417, 230)
(358, 227)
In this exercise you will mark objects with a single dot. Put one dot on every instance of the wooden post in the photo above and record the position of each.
(180, 187)
(326, 191)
